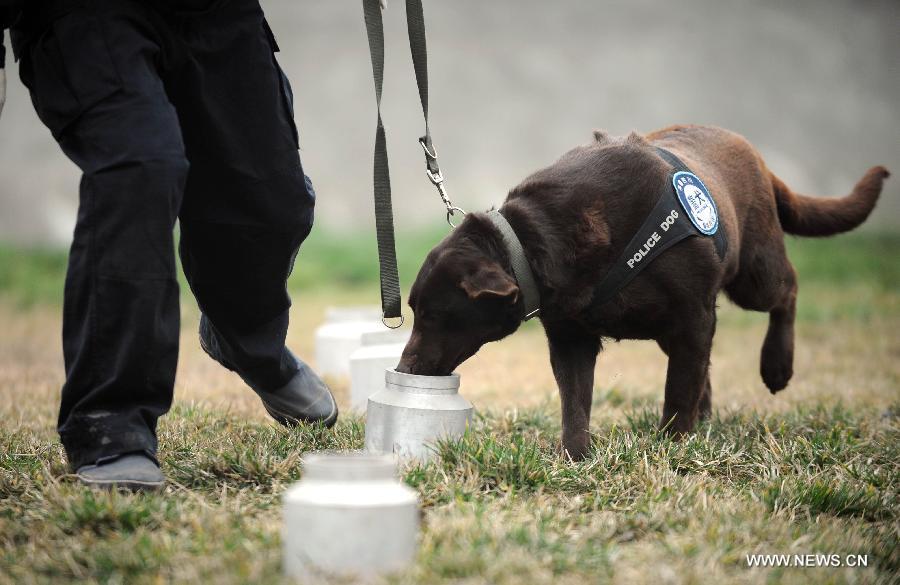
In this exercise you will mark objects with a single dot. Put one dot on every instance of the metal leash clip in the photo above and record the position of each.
(437, 179)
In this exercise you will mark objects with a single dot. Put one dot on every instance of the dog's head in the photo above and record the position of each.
(461, 299)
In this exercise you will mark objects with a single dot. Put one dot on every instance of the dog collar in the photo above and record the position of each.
(521, 269)
(686, 208)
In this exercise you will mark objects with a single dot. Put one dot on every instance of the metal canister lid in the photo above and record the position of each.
(349, 466)
(417, 382)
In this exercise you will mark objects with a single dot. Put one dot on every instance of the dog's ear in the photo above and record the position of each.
(636, 139)
(490, 281)
(601, 136)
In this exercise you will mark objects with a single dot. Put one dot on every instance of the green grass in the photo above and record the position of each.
(501, 505)
(851, 258)
(32, 276)
(332, 260)
(327, 259)
(35, 276)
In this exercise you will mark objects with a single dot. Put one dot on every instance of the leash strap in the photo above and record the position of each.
(418, 48)
(384, 215)
(666, 225)
(521, 269)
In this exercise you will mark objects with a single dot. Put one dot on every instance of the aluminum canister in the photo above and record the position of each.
(412, 411)
(341, 335)
(380, 351)
(349, 516)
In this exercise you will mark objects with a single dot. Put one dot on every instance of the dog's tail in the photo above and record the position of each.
(803, 215)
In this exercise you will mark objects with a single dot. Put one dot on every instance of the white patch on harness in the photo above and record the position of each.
(697, 202)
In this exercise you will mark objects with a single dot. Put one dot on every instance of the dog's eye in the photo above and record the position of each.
(428, 316)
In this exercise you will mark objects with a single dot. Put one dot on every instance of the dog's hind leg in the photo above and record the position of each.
(688, 392)
(573, 354)
(768, 282)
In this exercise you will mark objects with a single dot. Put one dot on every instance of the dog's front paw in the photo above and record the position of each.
(576, 447)
(677, 424)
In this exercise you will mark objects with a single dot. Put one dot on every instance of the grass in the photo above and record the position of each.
(814, 470)
(339, 261)
(326, 260)
(501, 505)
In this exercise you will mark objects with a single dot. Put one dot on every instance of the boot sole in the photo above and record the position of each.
(131, 485)
(292, 421)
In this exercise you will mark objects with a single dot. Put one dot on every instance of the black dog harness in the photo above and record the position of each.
(686, 208)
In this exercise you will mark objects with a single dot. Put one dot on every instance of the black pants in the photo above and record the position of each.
(170, 116)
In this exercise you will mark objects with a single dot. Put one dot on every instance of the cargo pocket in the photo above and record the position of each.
(287, 94)
(68, 70)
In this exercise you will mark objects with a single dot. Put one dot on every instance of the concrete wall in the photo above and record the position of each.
(515, 83)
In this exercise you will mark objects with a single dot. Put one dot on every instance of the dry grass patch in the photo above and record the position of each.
(815, 469)
(500, 505)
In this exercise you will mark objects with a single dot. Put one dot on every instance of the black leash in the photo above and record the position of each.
(384, 216)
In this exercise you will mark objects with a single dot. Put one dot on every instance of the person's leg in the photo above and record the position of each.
(248, 205)
(94, 82)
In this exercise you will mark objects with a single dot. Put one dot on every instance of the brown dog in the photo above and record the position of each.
(575, 218)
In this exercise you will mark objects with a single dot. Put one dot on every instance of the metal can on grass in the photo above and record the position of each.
(349, 516)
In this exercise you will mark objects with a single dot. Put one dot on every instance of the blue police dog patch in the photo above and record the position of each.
(697, 202)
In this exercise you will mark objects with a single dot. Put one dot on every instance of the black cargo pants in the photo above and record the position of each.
(170, 116)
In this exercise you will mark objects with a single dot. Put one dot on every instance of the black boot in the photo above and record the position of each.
(304, 399)
(129, 471)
